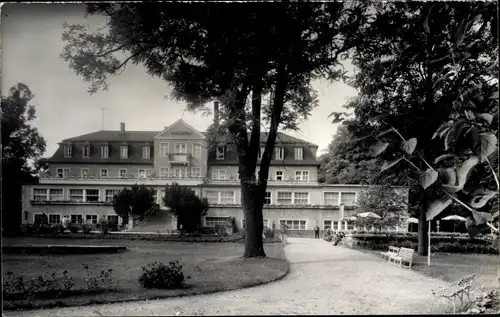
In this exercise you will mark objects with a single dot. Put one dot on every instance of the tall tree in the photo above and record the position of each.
(408, 81)
(259, 50)
(22, 146)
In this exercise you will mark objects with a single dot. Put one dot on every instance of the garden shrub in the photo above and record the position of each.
(74, 228)
(446, 243)
(87, 228)
(220, 230)
(104, 226)
(328, 236)
(15, 285)
(159, 275)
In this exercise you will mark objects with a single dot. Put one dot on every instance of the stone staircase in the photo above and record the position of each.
(159, 221)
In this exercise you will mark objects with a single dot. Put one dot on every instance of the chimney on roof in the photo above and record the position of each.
(122, 127)
(216, 113)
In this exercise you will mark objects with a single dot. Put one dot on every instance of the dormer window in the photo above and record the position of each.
(67, 150)
(124, 151)
(104, 151)
(86, 150)
(279, 153)
(146, 151)
(299, 153)
(220, 153)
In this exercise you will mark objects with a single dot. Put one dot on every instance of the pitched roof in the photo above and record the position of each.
(145, 136)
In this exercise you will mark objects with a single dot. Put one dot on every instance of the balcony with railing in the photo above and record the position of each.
(179, 158)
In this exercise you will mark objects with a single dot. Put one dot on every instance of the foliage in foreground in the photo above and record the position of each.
(16, 286)
(159, 275)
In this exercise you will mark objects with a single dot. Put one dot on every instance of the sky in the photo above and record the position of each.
(30, 48)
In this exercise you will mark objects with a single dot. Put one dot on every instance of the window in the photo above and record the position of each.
(279, 153)
(197, 150)
(302, 176)
(301, 198)
(327, 224)
(113, 219)
(143, 173)
(348, 198)
(122, 172)
(63, 172)
(289, 198)
(295, 224)
(179, 172)
(299, 153)
(38, 218)
(86, 150)
(220, 153)
(163, 149)
(266, 223)
(110, 194)
(267, 198)
(92, 194)
(213, 221)
(261, 152)
(350, 225)
(39, 194)
(123, 151)
(180, 148)
(220, 197)
(104, 173)
(84, 172)
(78, 219)
(284, 198)
(56, 194)
(227, 197)
(54, 219)
(279, 175)
(163, 171)
(146, 152)
(218, 174)
(75, 194)
(336, 225)
(104, 151)
(196, 172)
(91, 219)
(331, 199)
(67, 150)
(212, 197)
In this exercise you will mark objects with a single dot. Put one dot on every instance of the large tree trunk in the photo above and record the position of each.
(252, 209)
(422, 226)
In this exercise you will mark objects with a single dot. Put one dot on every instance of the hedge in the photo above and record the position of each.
(448, 243)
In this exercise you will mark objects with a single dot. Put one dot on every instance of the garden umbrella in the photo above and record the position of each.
(412, 220)
(369, 215)
(454, 217)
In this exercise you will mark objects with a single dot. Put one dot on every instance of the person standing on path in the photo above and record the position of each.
(316, 232)
(283, 229)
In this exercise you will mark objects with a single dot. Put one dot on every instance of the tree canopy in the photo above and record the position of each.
(186, 205)
(134, 201)
(416, 75)
(22, 147)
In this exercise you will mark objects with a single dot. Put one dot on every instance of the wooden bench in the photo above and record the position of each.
(392, 251)
(457, 289)
(404, 255)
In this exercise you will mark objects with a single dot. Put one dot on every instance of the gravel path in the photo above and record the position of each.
(323, 280)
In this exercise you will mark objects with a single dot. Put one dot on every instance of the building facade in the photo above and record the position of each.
(88, 170)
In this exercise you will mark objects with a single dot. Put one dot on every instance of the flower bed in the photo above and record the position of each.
(448, 243)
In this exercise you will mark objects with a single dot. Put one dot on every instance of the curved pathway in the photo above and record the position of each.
(323, 280)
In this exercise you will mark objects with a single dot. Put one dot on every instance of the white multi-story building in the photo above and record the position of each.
(86, 171)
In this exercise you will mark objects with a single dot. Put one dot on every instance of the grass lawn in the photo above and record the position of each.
(450, 267)
(212, 267)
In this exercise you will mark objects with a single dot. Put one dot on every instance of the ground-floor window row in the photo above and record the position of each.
(279, 197)
(164, 171)
(88, 219)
